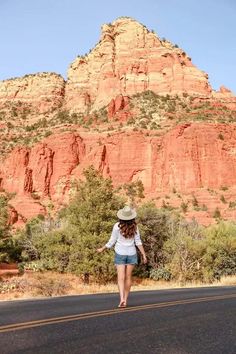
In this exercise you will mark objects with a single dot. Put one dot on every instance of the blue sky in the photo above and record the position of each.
(47, 35)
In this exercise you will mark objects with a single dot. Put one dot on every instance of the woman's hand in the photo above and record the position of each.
(100, 250)
(144, 258)
(143, 254)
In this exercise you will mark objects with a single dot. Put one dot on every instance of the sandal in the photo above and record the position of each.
(122, 304)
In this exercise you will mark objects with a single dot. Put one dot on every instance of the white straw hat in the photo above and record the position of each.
(126, 213)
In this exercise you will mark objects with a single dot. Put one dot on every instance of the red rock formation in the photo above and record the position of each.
(42, 172)
(189, 157)
(194, 156)
(130, 59)
(127, 60)
(40, 93)
(7, 270)
(118, 105)
(26, 208)
(14, 170)
(224, 97)
(225, 90)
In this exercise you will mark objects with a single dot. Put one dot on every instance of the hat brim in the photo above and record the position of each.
(121, 216)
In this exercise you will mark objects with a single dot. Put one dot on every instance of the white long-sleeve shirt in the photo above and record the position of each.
(123, 246)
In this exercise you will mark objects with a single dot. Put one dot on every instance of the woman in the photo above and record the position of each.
(125, 236)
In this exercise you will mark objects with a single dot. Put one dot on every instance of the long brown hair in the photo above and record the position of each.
(128, 228)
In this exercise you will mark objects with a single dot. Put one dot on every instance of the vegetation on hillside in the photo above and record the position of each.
(20, 124)
(155, 111)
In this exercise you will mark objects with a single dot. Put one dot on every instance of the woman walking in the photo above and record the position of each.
(125, 236)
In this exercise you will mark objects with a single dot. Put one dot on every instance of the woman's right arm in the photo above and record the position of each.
(101, 249)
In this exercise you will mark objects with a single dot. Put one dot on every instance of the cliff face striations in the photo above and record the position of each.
(190, 157)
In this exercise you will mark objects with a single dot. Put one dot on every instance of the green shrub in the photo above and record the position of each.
(160, 274)
(195, 201)
(183, 251)
(131, 121)
(222, 198)
(221, 136)
(232, 205)
(216, 213)
(154, 229)
(224, 188)
(10, 125)
(9, 251)
(34, 195)
(34, 266)
(47, 133)
(220, 255)
(184, 207)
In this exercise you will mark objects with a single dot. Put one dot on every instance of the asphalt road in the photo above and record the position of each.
(179, 321)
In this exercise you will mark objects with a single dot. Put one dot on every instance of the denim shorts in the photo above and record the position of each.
(121, 259)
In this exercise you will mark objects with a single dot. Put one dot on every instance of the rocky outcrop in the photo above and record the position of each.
(43, 170)
(224, 97)
(188, 158)
(119, 106)
(224, 92)
(25, 208)
(130, 59)
(197, 156)
(127, 60)
(39, 93)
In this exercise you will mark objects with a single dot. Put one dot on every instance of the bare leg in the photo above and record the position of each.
(121, 281)
(128, 280)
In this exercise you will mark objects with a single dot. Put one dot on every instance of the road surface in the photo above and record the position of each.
(178, 321)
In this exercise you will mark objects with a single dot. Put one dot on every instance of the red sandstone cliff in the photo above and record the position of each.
(183, 160)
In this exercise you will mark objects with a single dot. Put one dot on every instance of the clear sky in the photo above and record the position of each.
(47, 35)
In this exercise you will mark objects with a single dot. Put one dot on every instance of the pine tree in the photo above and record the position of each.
(91, 216)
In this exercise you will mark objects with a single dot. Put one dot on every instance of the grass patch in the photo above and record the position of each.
(50, 284)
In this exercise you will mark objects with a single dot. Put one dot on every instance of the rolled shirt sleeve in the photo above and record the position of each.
(113, 238)
(137, 238)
